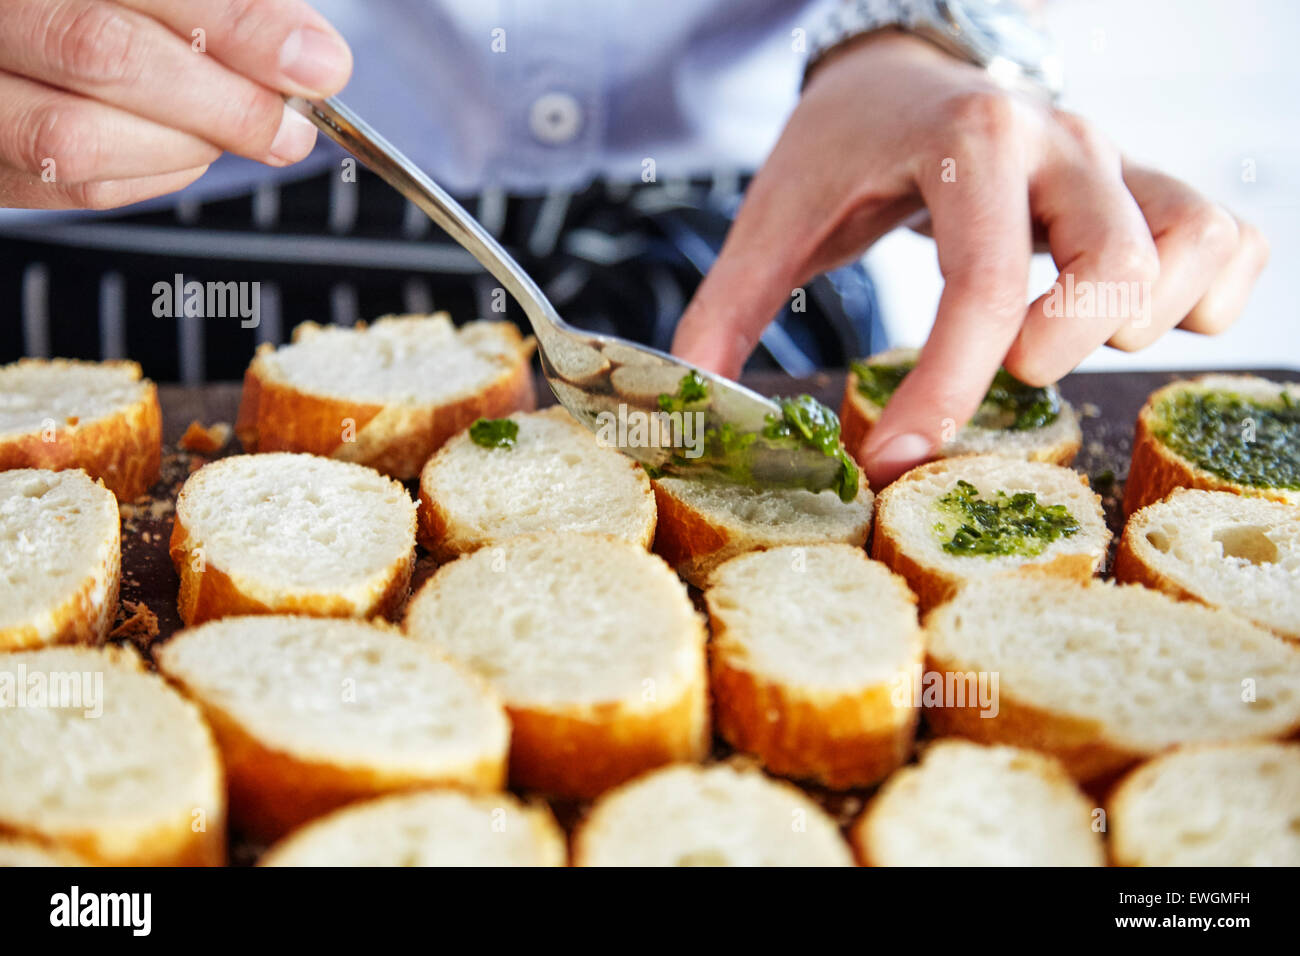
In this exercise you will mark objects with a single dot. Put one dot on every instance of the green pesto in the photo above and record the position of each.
(729, 452)
(804, 419)
(1005, 524)
(1239, 439)
(691, 390)
(494, 432)
(1009, 404)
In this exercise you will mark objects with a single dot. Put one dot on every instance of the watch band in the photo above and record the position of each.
(934, 21)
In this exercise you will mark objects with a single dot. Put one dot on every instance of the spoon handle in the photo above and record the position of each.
(357, 137)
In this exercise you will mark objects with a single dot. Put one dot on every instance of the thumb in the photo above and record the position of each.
(735, 302)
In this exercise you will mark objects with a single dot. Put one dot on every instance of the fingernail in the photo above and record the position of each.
(896, 456)
(315, 60)
(294, 139)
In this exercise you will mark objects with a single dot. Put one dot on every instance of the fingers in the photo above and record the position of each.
(121, 57)
(282, 44)
(19, 190)
(1222, 305)
(1197, 241)
(1211, 259)
(981, 224)
(65, 138)
(762, 261)
(1103, 247)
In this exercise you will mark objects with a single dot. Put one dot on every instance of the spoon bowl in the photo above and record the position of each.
(671, 416)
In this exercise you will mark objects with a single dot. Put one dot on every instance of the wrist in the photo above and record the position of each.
(888, 49)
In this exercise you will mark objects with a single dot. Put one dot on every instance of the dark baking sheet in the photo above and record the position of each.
(1108, 403)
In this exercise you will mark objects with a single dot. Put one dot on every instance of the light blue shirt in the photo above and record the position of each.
(528, 95)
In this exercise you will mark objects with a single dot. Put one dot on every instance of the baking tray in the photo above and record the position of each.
(1107, 402)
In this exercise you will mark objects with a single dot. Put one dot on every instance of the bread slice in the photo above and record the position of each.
(968, 805)
(60, 558)
(427, 828)
(989, 432)
(99, 416)
(809, 645)
(103, 760)
(555, 477)
(1229, 551)
(313, 713)
(915, 529)
(30, 853)
(704, 522)
(300, 534)
(1102, 675)
(708, 816)
(1231, 805)
(1237, 435)
(592, 642)
(386, 394)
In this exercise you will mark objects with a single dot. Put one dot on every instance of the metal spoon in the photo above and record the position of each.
(611, 385)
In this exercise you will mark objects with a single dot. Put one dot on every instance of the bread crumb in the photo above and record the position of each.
(205, 440)
(140, 624)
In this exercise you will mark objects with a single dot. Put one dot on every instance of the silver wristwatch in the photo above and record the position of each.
(994, 35)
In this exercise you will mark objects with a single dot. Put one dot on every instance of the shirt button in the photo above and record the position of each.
(555, 118)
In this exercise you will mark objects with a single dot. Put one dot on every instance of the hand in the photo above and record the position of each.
(891, 124)
(108, 103)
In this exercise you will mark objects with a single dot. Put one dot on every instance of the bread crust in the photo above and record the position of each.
(81, 619)
(583, 754)
(837, 740)
(173, 843)
(1131, 569)
(179, 841)
(436, 530)
(272, 792)
(858, 416)
(685, 538)
(1155, 469)
(1080, 745)
(694, 546)
(396, 439)
(208, 592)
(933, 585)
(123, 450)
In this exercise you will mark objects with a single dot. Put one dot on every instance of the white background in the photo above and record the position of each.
(1193, 88)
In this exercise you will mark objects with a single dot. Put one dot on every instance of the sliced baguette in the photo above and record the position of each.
(29, 853)
(704, 522)
(99, 416)
(555, 477)
(968, 805)
(386, 395)
(1231, 805)
(1102, 675)
(908, 520)
(313, 713)
(1156, 469)
(1230, 551)
(708, 816)
(592, 642)
(808, 646)
(122, 772)
(1057, 442)
(300, 534)
(60, 558)
(427, 828)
